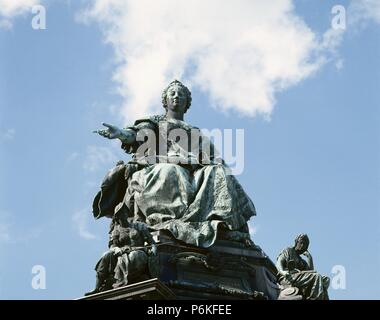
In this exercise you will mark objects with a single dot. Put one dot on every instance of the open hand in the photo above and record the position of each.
(112, 132)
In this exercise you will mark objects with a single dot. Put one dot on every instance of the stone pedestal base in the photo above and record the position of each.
(227, 271)
(152, 289)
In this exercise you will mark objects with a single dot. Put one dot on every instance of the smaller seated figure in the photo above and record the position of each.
(106, 265)
(293, 271)
(128, 259)
(138, 254)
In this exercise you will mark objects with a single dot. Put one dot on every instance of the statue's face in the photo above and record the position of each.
(301, 246)
(176, 99)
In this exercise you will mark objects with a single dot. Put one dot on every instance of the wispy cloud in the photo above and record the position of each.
(97, 157)
(10, 234)
(80, 220)
(5, 235)
(363, 11)
(339, 64)
(72, 157)
(12, 8)
(7, 135)
(9, 8)
(5, 24)
(357, 16)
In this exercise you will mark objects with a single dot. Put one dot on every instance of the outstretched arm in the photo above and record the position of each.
(126, 136)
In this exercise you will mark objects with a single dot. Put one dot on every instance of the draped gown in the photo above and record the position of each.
(175, 185)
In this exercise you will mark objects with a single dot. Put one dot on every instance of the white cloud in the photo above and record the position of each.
(358, 14)
(80, 221)
(362, 11)
(96, 157)
(240, 53)
(10, 8)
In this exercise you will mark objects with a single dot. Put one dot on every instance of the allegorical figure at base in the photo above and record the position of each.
(296, 272)
(131, 256)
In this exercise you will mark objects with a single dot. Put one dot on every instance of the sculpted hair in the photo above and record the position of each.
(180, 84)
(302, 236)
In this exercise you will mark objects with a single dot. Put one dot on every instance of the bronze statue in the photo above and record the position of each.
(177, 184)
(168, 186)
(130, 258)
(137, 251)
(295, 272)
(105, 267)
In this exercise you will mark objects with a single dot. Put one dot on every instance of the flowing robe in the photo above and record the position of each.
(312, 285)
(180, 185)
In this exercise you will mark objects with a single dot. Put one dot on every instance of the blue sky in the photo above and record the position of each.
(311, 144)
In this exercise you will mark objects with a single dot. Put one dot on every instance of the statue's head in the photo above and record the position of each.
(301, 243)
(176, 96)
